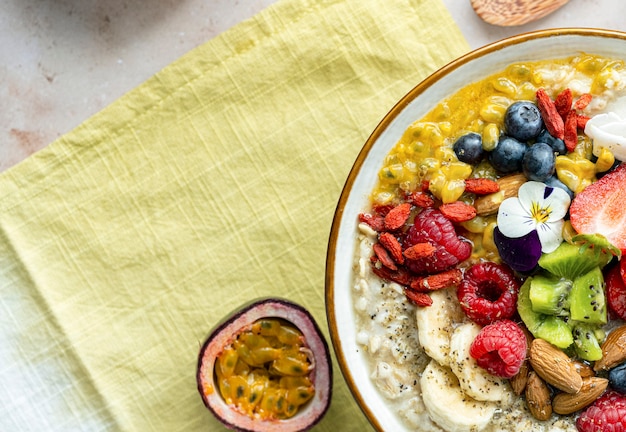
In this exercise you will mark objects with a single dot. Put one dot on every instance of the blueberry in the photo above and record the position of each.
(469, 148)
(539, 162)
(522, 120)
(508, 155)
(556, 183)
(557, 144)
(617, 378)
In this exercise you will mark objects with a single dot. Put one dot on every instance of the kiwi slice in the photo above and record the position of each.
(570, 261)
(587, 299)
(548, 327)
(556, 331)
(550, 295)
(586, 343)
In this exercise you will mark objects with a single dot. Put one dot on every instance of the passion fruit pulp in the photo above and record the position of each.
(301, 367)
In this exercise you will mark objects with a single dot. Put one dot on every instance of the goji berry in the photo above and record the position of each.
(438, 281)
(397, 216)
(383, 209)
(581, 121)
(551, 117)
(563, 103)
(481, 186)
(376, 222)
(418, 298)
(458, 211)
(419, 250)
(400, 275)
(383, 256)
(583, 101)
(393, 246)
(570, 137)
(421, 199)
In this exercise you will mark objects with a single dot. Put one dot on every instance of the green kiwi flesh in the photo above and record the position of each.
(570, 261)
(587, 299)
(548, 327)
(550, 295)
(586, 344)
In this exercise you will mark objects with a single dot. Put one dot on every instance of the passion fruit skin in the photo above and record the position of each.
(225, 332)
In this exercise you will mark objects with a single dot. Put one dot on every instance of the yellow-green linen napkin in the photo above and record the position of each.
(214, 183)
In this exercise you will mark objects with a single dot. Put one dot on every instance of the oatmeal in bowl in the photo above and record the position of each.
(475, 279)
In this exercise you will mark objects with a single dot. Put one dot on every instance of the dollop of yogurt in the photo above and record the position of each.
(608, 130)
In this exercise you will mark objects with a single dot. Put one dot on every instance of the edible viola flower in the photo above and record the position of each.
(539, 208)
(522, 253)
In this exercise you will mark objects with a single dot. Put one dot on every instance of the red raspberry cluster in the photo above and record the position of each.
(606, 414)
(500, 348)
(488, 293)
(488, 296)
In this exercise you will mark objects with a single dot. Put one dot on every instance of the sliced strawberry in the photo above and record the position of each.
(600, 208)
(616, 290)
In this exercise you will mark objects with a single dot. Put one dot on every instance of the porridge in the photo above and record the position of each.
(483, 254)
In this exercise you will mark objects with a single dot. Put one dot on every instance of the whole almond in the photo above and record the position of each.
(567, 403)
(554, 366)
(518, 381)
(613, 349)
(584, 370)
(509, 185)
(538, 397)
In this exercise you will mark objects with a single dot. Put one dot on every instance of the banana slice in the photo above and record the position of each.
(475, 381)
(448, 406)
(436, 323)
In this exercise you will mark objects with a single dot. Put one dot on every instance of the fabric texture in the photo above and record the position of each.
(213, 183)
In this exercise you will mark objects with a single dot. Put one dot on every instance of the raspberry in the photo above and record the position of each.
(488, 292)
(500, 348)
(606, 414)
(430, 226)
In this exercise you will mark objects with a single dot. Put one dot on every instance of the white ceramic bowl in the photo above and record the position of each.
(418, 102)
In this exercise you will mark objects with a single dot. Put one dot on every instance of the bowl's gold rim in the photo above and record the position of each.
(380, 128)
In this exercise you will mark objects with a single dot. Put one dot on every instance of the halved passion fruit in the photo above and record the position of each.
(265, 368)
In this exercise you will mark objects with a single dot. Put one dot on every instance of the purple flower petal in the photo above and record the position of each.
(521, 253)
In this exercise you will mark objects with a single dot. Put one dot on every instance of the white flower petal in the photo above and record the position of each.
(537, 207)
(550, 235)
(559, 202)
(513, 219)
(531, 192)
(536, 194)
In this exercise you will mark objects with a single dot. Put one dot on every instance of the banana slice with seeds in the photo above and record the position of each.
(448, 405)
(435, 324)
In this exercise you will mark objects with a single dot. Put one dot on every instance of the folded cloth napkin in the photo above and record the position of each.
(213, 183)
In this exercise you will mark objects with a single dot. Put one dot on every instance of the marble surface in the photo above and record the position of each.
(62, 61)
